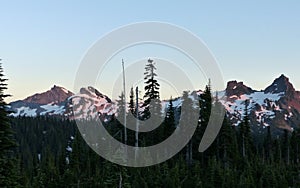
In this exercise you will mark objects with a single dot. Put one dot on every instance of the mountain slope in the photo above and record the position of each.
(51, 102)
(277, 106)
(89, 103)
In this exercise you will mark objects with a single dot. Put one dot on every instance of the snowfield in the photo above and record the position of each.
(266, 102)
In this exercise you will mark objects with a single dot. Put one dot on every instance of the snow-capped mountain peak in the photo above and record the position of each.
(51, 102)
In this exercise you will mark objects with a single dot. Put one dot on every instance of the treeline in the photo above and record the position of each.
(235, 159)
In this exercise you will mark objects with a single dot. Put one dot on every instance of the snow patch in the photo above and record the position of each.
(52, 109)
(69, 149)
(24, 111)
(67, 160)
(88, 105)
(265, 101)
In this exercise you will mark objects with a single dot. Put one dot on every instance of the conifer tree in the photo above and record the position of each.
(295, 146)
(205, 105)
(268, 144)
(76, 160)
(8, 168)
(121, 107)
(205, 102)
(286, 147)
(131, 101)
(227, 144)
(169, 123)
(246, 142)
(131, 118)
(151, 91)
(186, 118)
(152, 86)
(152, 103)
(121, 117)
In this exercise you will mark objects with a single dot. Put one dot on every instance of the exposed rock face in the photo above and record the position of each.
(281, 84)
(277, 106)
(237, 88)
(55, 95)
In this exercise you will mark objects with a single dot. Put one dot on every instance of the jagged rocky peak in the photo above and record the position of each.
(281, 84)
(55, 95)
(237, 88)
(89, 103)
(92, 92)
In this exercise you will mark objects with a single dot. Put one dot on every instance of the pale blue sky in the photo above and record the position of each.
(42, 43)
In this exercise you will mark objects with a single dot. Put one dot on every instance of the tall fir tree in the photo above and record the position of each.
(169, 123)
(186, 119)
(151, 97)
(152, 103)
(8, 168)
(245, 135)
(227, 144)
(205, 105)
(152, 85)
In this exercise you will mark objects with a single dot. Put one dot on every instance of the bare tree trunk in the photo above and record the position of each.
(120, 180)
(137, 122)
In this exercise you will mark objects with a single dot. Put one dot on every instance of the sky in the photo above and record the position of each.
(42, 43)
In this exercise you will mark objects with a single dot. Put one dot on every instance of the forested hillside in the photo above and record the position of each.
(52, 153)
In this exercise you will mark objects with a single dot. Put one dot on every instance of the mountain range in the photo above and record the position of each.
(277, 106)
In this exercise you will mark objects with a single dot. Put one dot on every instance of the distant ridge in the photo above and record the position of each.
(277, 106)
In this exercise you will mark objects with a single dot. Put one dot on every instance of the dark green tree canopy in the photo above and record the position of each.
(152, 85)
(8, 173)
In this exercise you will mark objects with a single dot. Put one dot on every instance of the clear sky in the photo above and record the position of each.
(43, 42)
